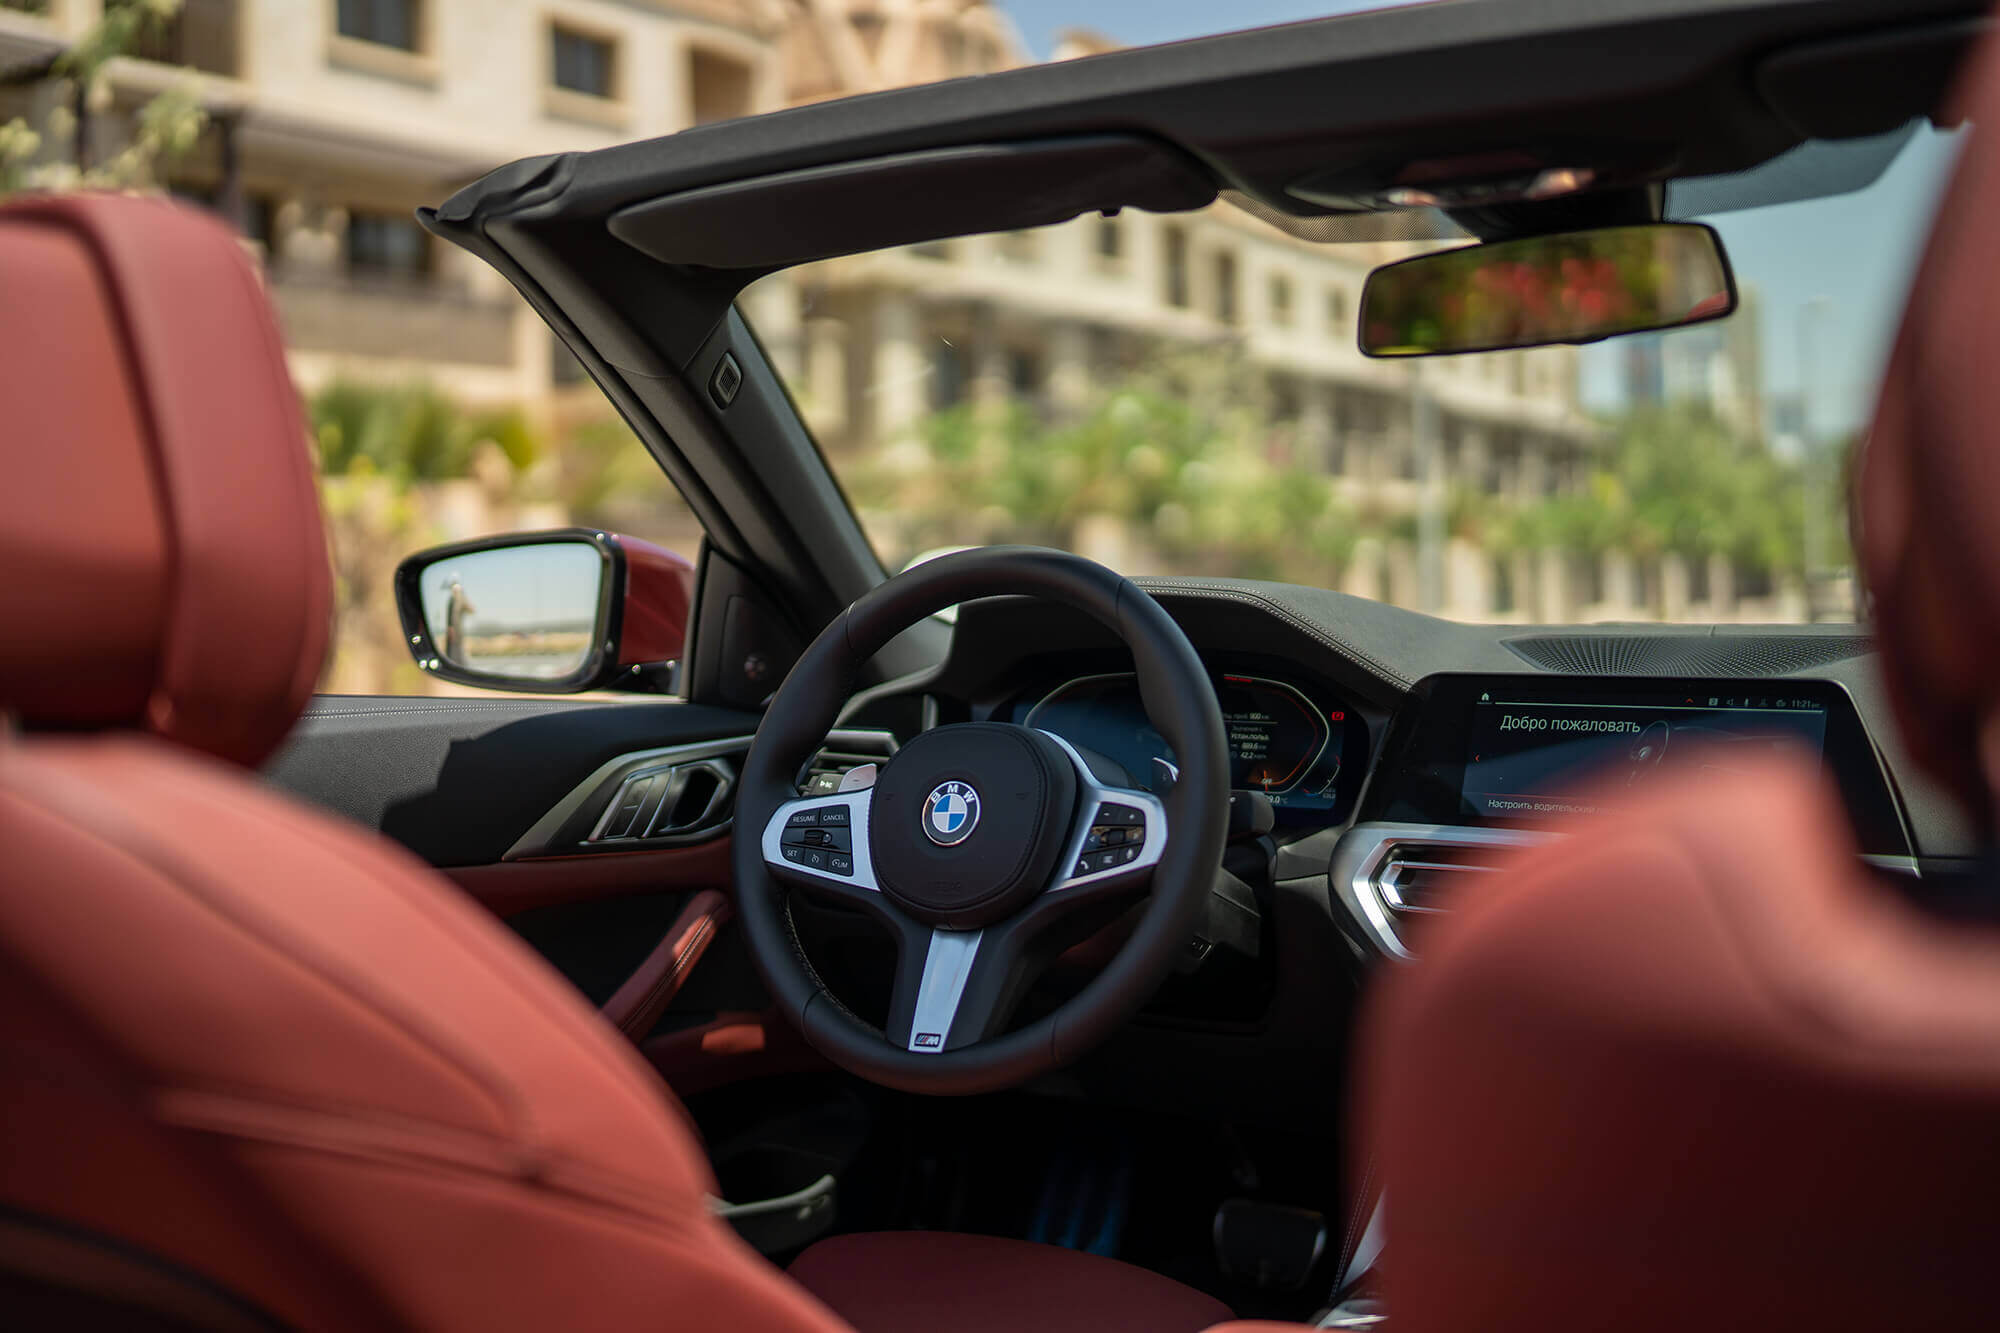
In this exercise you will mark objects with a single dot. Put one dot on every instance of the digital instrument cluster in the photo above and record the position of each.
(1303, 754)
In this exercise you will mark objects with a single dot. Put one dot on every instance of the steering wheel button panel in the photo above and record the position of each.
(823, 839)
(1127, 833)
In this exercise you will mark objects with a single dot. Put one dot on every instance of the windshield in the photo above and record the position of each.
(1182, 395)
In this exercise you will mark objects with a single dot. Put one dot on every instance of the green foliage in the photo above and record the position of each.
(1676, 479)
(1196, 475)
(409, 432)
(39, 156)
(1187, 468)
(606, 478)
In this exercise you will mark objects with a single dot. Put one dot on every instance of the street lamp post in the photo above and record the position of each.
(1818, 546)
(1430, 477)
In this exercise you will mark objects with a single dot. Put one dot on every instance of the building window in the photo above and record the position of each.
(1024, 373)
(949, 376)
(260, 223)
(384, 22)
(1286, 402)
(1110, 242)
(583, 63)
(719, 86)
(1174, 272)
(1281, 300)
(384, 245)
(1336, 313)
(1226, 305)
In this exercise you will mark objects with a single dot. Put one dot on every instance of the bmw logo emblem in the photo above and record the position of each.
(951, 812)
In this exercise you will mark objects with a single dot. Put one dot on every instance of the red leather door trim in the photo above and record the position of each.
(638, 1004)
(516, 886)
(729, 1047)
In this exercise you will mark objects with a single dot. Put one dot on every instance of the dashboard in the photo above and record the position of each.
(1403, 757)
(1302, 747)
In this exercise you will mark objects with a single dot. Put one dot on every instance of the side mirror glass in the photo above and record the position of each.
(549, 612)
(1573, 287)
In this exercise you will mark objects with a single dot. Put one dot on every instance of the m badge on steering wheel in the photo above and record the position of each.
(951, 812)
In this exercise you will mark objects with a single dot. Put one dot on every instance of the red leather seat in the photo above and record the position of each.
(255, 1062)
(1696, 1068)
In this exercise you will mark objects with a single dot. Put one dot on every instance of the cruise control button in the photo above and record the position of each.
(815, 859)
(801, 818)
(840, 863)
(833, 814)
(793, 853)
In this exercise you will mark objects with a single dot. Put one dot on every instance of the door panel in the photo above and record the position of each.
(459, 781)
(510, 798)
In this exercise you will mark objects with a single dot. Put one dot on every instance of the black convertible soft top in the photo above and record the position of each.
(634, 254)
(1300, 120)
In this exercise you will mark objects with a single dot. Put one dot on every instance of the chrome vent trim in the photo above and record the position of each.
(1373, 863)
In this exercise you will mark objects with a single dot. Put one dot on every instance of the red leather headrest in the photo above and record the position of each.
(159, 528)
(1926, 534)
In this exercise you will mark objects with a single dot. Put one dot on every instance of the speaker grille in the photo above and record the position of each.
(1686, 654)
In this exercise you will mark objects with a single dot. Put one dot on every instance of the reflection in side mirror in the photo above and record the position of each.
(550, 612)
(522, 612)
(1573, 287)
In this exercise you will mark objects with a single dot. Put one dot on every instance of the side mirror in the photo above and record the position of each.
(1573, 287)
(551, 612)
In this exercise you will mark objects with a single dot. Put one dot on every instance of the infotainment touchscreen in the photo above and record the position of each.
(1533, 756)
(1530, 748)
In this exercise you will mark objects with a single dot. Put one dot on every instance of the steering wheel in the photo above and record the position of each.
(983, 848)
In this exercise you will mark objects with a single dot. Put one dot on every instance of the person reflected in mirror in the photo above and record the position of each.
(457, 606)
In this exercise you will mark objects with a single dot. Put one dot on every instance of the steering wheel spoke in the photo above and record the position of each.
(954, 988)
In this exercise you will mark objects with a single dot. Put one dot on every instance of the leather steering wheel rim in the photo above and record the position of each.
(1179, 699)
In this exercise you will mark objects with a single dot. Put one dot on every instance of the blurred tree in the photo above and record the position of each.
(1176, 455)
(42, 155)
(410, 432)
(1675, 478)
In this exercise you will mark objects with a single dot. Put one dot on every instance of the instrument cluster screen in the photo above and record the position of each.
(1281, 743)
(1537, 757)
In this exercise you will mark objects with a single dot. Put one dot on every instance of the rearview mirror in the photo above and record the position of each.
(1573, 287)
(549, 612)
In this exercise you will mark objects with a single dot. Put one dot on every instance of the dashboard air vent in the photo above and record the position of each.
(1389, 876)
(1417, 878)
(1686, 654)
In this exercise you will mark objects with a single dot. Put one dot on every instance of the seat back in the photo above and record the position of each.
(247, 1049)
(1695, 1067)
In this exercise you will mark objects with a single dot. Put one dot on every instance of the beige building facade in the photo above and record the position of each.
(332, 120)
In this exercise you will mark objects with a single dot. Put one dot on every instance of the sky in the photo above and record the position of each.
(1840, 267)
